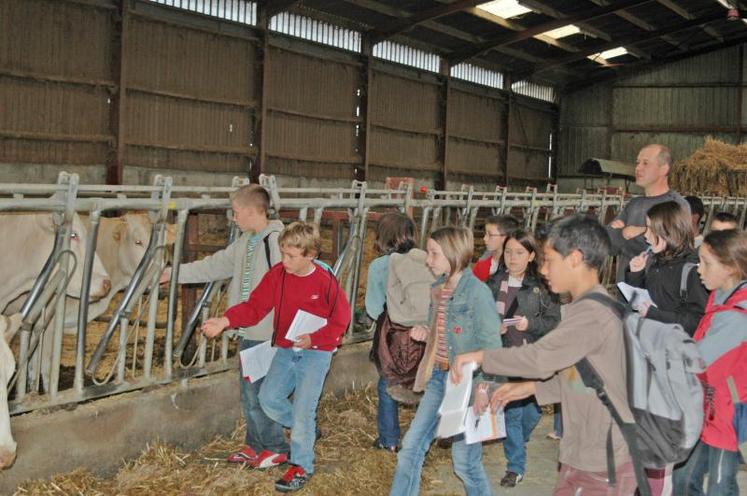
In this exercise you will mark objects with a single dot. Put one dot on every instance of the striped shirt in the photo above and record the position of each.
(442, 352)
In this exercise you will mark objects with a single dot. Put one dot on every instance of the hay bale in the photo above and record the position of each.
(717, 168)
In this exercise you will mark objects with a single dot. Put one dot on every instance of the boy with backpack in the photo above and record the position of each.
(300, 365)
(573, 254)
(246, 261)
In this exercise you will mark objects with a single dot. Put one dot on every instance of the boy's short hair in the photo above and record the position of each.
(252, 195)
(582, 233)
(506, 224)
(302, 235)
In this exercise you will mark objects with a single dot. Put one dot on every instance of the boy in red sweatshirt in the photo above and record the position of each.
(299, 367)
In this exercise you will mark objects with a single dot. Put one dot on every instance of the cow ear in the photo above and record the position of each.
(120, 229)
(170, 234)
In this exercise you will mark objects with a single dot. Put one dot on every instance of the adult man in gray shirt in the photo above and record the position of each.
(626, 231)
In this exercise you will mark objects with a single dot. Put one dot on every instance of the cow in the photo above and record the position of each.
(121, 245)
(28, 240)
(8, 328)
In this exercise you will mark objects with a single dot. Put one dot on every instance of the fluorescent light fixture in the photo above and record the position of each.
(608, 54)
(504, 8)
(563, 32)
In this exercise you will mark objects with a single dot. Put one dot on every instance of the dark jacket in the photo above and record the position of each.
(662, 280)
(535, 302)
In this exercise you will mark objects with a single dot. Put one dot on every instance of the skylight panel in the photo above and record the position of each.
(504, 8)
(563, 32)
(608, 54)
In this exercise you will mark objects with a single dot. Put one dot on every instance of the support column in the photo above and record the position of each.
(505, 123)
(118, 100)
(443, 103)
(364, 99)
(260, 74)
(740, 92)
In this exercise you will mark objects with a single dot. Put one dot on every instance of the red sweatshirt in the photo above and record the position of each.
(317, 293)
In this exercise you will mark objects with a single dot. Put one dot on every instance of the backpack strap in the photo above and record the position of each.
(592, 380)
(686, 268)
(266, 241)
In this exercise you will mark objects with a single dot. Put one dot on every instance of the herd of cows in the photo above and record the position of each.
(28, 239)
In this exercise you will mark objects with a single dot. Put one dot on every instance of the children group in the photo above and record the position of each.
(504, 313)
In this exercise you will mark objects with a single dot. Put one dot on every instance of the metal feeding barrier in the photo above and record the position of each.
(160, 354)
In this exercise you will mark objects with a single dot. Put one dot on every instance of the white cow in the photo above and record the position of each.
(121, 245)
(8, 328)
(28, 239)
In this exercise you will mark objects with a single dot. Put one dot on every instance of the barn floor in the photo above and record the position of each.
(345, 464)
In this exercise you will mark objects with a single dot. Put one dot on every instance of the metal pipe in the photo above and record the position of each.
(85, 288)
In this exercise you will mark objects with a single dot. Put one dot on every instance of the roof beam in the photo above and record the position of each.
(596, 75)
(686, 14)
(513, 26)
(637, 21)
(552, 12)
(507, 39)
(404, 24)
(274, 7)
(622, 42)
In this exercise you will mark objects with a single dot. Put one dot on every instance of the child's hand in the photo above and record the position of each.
(638, 263)
(419, 333)
(522, 325)
(165, 275)
(504, 329)
(304, 341)
(511, 391)
(213, 327)
(643, 309)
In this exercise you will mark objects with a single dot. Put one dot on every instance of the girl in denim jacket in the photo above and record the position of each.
(520, 295)
(463, 318)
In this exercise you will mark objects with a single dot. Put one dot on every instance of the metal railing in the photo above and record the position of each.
(100, 365)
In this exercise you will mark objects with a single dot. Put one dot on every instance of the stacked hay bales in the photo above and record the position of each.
(717, 168)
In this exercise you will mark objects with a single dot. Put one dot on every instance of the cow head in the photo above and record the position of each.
(100, 281)
(131, 236)
(8, 328)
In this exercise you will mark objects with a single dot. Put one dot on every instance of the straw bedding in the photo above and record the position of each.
(345, 462)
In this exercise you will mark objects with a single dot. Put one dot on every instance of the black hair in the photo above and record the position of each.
(696, 206)
(506, 224)
(582, 233)
(726, 217)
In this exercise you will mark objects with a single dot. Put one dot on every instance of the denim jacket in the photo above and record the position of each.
(472, 323)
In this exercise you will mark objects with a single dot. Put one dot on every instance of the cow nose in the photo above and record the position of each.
(106, 286)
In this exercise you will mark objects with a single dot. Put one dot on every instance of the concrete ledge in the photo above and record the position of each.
(100, 434)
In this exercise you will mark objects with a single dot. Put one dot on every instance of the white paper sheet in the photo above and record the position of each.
(304, 323)
(455, 403)
(255, 361)
(485, 427)
(637, 297)
(512, 321)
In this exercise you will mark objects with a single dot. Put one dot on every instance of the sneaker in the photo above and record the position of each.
(293, 480)
(553, 435)
(511, 479)
(379, 445)
(245, 455)
(268, 459)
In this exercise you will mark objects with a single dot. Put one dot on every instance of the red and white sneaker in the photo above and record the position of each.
(293, 480)
(244, 455)
(268, 459)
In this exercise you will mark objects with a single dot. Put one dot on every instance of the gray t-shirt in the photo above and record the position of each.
(634, 214)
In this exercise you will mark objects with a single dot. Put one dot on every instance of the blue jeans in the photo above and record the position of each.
(304, 372)
(262, 433)
(720, 465)
(521, 418)
(467, 458)
(387, 418)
